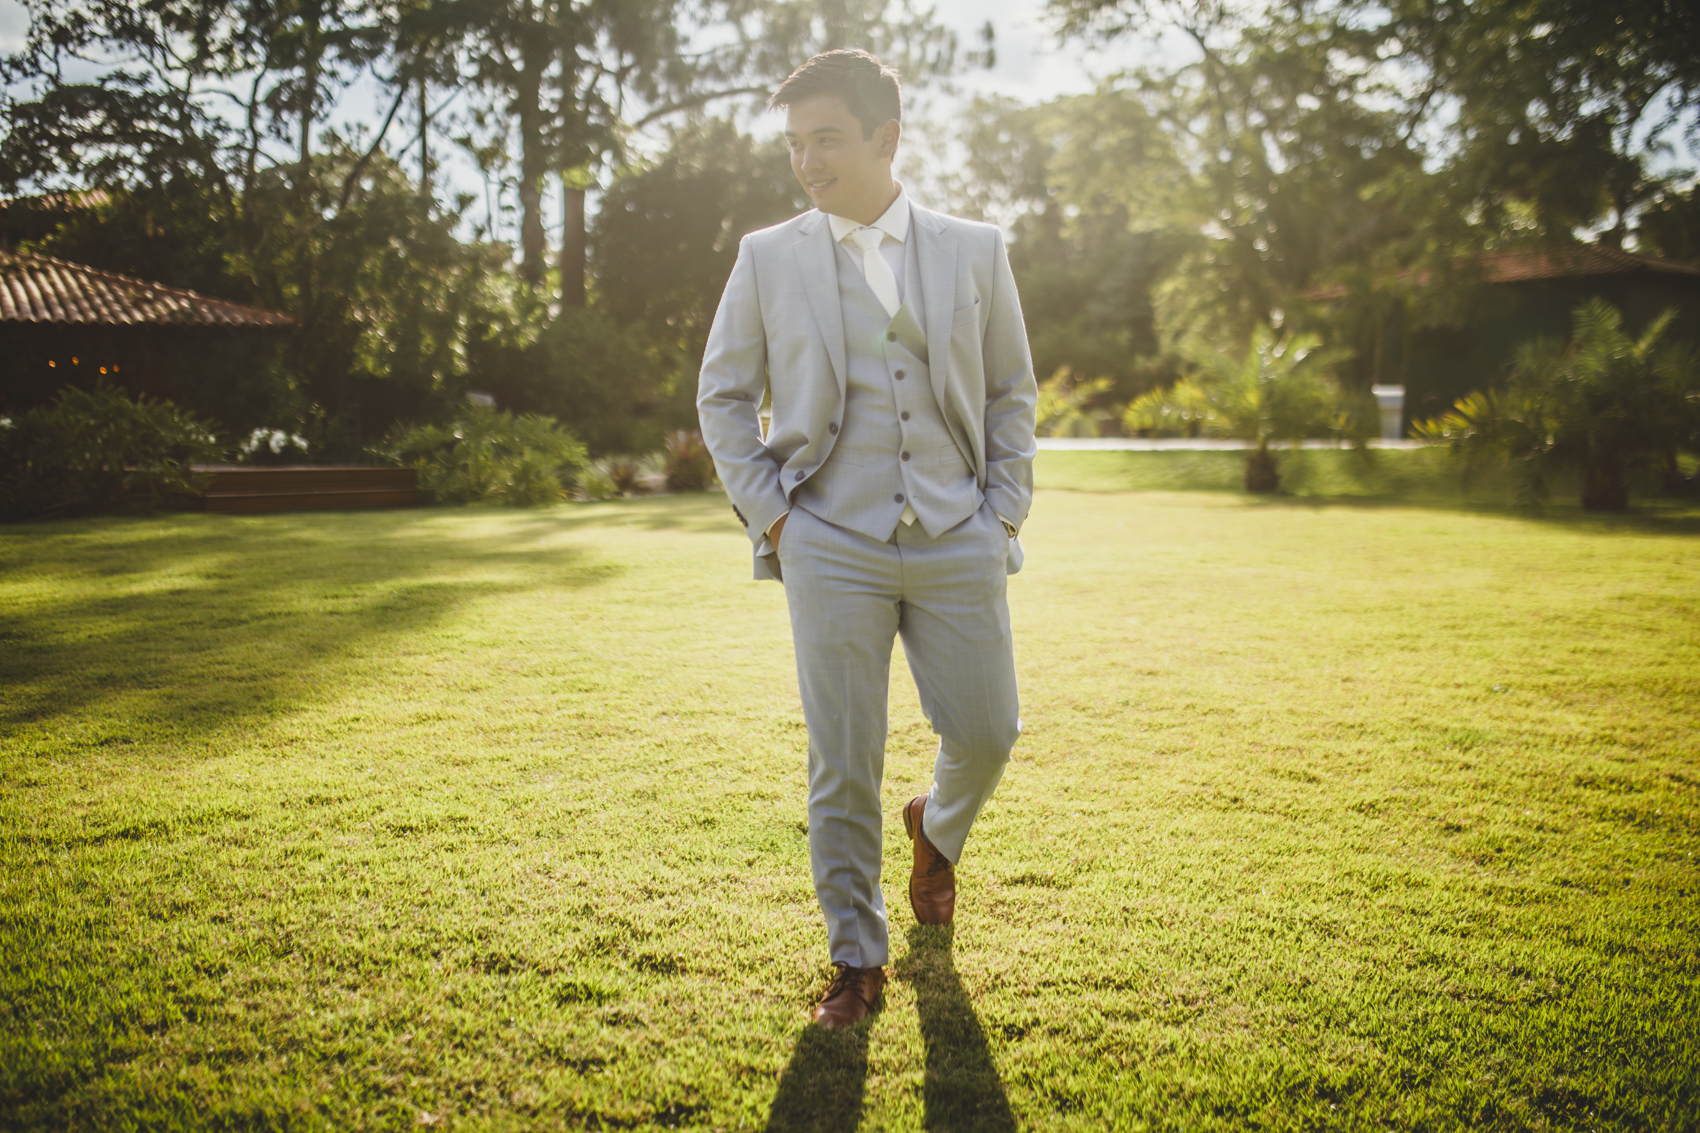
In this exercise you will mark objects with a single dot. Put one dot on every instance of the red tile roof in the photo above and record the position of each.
(1572, 263)
(40, 289)
(1579, 262)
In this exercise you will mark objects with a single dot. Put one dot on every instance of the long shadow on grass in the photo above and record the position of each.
(821, 1089)
(201, 621)
(961, 1090)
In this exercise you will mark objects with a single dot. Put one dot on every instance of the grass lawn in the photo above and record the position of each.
(1328, 814)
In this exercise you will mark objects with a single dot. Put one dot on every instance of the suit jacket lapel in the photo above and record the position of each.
(816, 264)
(937, 255)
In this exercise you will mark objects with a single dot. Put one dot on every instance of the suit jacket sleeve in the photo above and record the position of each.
(1012, 398)
(729, 395)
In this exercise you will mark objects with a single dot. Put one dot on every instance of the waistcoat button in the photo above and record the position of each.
(833, 429)
(799, 477)
(898, 497)
(905, 415)
(905, 456)
(891, 336)
(898, 375)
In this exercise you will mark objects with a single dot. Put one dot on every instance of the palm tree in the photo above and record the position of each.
(1601, 405)
(1281, 388)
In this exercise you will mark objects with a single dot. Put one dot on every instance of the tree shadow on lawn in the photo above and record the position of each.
(821, 1088)
(200, 622)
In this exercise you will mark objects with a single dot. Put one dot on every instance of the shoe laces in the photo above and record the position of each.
(845, 979)
(939, 864)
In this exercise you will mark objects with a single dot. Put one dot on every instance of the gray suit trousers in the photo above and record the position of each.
(849, 597)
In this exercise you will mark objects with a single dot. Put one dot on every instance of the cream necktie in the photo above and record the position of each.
(874, 268)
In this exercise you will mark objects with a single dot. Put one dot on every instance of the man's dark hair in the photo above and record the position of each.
(867, 86)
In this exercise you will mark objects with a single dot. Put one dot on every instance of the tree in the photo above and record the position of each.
(1561, 105)
(1600, 405)
(1280, 388)
(667, 234)
(1087, 185)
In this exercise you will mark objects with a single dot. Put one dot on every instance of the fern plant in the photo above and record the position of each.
(1280, 388)
(1601, 405)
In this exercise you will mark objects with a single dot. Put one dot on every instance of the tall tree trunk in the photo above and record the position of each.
(533, 162)
(572, 245)
(424, 143)
(314, 53)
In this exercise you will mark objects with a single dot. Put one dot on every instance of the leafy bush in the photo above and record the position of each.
(488, 456)
(96, 450)
(1279, 389)
(689, 467)
(1601, 405)
(1067, 405)
(594, 483)
(624, 474)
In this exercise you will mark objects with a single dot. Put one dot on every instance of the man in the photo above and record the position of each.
(886, 493)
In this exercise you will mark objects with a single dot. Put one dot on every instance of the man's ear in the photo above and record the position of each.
(889, 132)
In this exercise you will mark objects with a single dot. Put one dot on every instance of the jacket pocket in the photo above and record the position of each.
(965, 315)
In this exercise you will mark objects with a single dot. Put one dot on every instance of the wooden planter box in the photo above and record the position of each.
(308, 487)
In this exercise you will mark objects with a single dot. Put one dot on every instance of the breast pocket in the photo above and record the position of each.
(966, 315)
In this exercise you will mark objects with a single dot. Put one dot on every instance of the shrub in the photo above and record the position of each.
(594, 483)
(689, 467)
(488, 456)
(624, 474)
(1068, 406)
(1279, 389)
(1601, 405)
(96, 450)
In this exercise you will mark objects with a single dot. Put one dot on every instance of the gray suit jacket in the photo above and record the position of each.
(780, 331)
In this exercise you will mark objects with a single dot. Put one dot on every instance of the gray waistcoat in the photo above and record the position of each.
(893, 447)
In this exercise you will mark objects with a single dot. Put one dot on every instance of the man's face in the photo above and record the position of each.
(843, 172)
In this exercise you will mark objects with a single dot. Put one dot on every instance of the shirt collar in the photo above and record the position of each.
(894, 223)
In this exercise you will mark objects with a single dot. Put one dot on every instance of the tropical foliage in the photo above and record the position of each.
(1601, 406)
(1280, 388)
(689, 467)
(1069, 406)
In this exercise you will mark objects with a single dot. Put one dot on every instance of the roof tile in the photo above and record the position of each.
(41, 289)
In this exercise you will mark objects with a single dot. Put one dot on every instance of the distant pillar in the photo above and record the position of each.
(1391, 399)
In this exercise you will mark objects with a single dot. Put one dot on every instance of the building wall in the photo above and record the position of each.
(231, 376)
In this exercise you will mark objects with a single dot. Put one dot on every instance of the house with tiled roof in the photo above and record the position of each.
(1503, 299)
(64, 323)
(41, 289)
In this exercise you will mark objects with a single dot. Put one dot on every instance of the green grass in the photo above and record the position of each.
(1429, 475)
(1327, 815)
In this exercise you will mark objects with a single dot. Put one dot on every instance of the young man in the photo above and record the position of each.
(886, 493)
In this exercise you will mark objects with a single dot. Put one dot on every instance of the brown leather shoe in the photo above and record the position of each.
(932, 879)
(850, 996)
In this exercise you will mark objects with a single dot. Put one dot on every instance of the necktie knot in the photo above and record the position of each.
(875, 270)
(866, 239)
